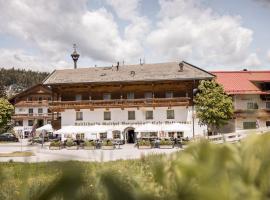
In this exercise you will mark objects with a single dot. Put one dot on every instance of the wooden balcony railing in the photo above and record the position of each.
(119, 103)
(32, 116)
(32, 103)
(262, 113)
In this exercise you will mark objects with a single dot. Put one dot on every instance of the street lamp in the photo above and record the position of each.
(75, 56)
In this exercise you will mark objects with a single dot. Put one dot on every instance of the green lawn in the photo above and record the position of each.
(202, 171)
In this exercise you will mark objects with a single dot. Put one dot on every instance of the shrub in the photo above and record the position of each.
(89, 143)
(144, 143)
(165, 142)
(70, 143)
(55, 144)
(107, 143)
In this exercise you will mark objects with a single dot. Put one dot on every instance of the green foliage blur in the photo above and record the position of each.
(202, 171)
(6, 110)
(213, 107)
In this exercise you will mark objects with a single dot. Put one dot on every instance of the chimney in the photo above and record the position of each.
(181, 67)
(244, 70)
(75, 56)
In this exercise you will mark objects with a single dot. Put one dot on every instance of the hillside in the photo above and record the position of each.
(16, 80)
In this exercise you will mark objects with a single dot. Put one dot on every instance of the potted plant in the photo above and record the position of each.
(71, 145)
(107, 145)
(89, 145)
(55, 145)
(144, 144)
(166, 144)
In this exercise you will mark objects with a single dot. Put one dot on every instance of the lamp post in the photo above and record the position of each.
(75, 56)
(194, 92)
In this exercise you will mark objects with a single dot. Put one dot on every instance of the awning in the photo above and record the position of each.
(47, 127)
(175, 127)
(82, 129)
(148, 128)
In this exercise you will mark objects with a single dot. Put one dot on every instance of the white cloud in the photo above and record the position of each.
(188, 31)
(252, 60)
(268, 55)
(54, 27)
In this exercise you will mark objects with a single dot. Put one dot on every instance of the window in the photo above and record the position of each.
(30, 111)
(107, 115)
(169, 95)
(249, 125)
(131, 115)
(267, 123)
(252, 105)
(116, 135)
(179, 134)
(171, 134)
(19, 123)
(103, 136)
(106, 96)
(79, 116)
(130, 95)
(29, 99)
(39, 99)
(30, 122)
(80, 136)
(40, 111)
(149, 114)
(170, 114)
(268, 105)
(78, 97)
(148, 95)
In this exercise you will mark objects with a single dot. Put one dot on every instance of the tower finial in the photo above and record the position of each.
(75, 56)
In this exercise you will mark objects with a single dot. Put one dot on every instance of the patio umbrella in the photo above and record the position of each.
(175, 127)
(148, 128)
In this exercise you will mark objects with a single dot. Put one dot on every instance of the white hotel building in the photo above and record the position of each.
(127, 101)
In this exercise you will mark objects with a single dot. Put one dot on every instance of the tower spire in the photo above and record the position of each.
(75, 56)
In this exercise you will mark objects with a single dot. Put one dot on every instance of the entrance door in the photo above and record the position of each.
(40, 123)
(131, 136)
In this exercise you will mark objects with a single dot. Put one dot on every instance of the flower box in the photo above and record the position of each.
(107, 147)
(144, 147)
(89, 147)
(54, 148)
(166, 146)
(72, 147)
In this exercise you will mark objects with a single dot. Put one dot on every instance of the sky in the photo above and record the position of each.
(211, 34)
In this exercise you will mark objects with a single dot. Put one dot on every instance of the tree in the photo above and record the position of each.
(2, 90)
(213, 107)
(6, 110)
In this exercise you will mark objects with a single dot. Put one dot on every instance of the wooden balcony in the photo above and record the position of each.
(32, 103)
(257, 113)
(118, 103)
(31, 116)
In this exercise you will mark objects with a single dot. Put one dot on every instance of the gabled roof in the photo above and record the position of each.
(242, 82)
(128, 73)
(30, 90)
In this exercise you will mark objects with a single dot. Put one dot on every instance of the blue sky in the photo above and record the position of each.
(212, 34)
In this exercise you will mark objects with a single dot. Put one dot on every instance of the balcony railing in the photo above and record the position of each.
(32, 115)
(119, 103)
(32, 103)
(263, 113)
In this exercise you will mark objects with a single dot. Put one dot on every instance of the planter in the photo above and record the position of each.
(89, 147)
(107, 147)
(144, 147)
(165, 146)
(54, 148)
(72, 148)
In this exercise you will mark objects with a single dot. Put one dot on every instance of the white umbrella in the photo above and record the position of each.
(47, 127)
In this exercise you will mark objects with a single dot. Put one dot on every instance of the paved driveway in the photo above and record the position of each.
(44, 154)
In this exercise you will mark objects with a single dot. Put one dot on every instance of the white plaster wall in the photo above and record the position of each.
(239, 122)
(182, 114)
(241, 101)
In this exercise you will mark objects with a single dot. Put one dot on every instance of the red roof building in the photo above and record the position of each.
(244, 82)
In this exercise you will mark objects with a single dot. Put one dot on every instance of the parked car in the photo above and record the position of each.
(8, 137)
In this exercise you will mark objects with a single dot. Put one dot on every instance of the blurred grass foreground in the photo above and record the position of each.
(202, 171)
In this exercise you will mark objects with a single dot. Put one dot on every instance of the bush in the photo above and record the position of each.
(55, 144)
(144, 143)
(89, 143)
(107, 143)
(70, 143)
(166, 142)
